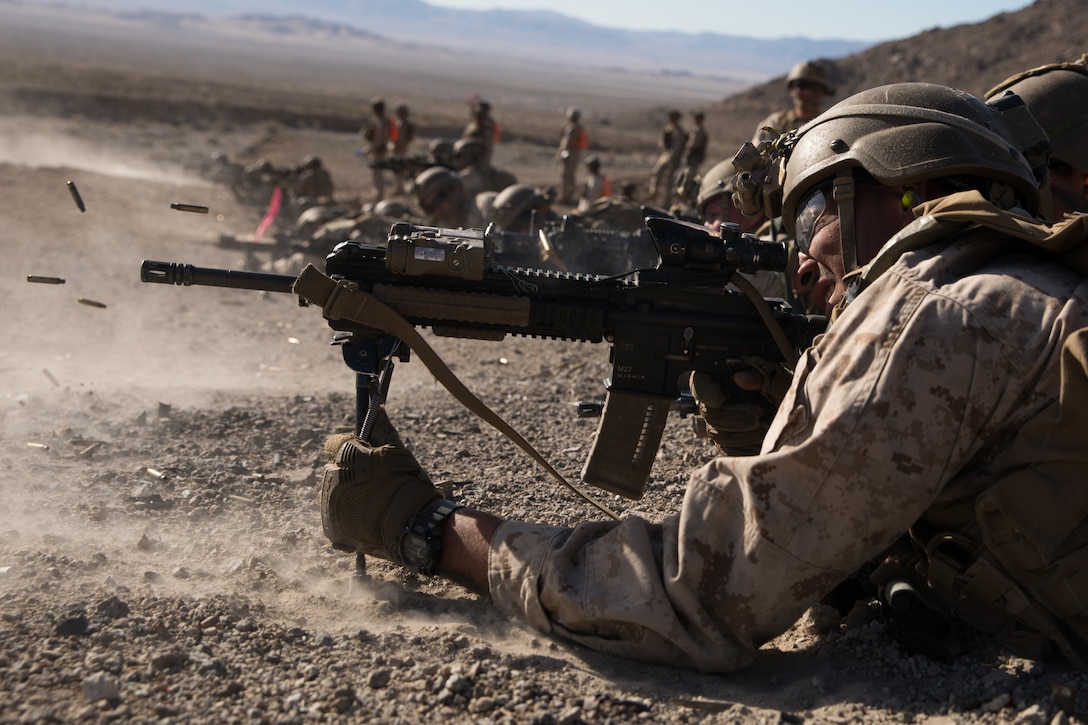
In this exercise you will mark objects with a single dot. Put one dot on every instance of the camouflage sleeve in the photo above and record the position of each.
(891, 403)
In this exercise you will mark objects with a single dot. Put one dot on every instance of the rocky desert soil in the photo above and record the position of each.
(161, 554)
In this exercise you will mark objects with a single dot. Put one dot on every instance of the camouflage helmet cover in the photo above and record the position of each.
(434, 179)
(716, 181)
(512, 202)
(392, 208)
(469, 150)
(812, 71)
(907, 132)
(1057, 95)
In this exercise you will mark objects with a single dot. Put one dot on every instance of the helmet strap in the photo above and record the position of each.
(843, 193)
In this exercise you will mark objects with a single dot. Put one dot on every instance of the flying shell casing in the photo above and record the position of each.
(193, 208)
(75, 196)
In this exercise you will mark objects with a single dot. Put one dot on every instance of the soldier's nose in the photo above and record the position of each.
(807, 274)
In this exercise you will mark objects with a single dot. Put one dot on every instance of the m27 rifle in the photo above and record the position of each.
(661, 323)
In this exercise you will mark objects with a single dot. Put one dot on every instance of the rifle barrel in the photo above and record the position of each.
(186, 274)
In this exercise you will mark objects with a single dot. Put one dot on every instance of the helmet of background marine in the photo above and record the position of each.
(513, 202)
(434, 179)
(468, 151)
(813, 72)
(909, 132)
(1057, 95)
(392, 208)
(716, 181)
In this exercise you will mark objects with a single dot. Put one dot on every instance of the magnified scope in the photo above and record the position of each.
(685, 244)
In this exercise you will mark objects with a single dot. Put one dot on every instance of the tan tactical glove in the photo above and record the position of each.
(737, 416)
(370, 491)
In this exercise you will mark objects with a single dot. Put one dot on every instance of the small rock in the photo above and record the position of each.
(379, 678)
(101, 686)
(113, 608)
(997, 704)
(73, 626)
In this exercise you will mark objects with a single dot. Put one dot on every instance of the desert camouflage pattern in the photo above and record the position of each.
(781, 121)
(905, 407)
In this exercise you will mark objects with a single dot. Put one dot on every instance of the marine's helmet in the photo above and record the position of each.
(716, 181)
(377, 104)
(810, 71)
(900, 134)
(311, 162)
(468, 151)
(675, 115)
(908, 132)
(441, 151)
(392, 208)
(1057, 95)
(593, 162)
(513, 203)
(433, 185)
(573, 114)
(401, 110)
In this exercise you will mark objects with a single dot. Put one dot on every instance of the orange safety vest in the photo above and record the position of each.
(580, 142)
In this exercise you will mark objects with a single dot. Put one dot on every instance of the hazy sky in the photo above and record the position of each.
(864, 20)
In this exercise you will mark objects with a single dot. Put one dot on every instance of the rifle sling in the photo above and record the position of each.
(343, 300)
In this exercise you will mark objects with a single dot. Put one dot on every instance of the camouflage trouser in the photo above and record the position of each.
(662, 175)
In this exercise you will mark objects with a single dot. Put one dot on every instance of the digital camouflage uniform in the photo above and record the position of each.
(907, 405)
(694, 151)
(780, 121)
(665, 167)
(484, 177)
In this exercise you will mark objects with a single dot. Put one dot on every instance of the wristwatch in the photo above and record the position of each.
(421, 541)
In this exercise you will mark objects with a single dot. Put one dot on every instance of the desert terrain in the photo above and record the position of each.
(161, 552)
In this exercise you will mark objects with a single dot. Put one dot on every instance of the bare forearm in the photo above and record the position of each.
(466, 541)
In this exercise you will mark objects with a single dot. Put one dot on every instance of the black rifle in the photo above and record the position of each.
(409, 165)
(661, 323)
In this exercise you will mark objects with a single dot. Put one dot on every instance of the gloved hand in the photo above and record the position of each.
(737, 416)
(370, 491)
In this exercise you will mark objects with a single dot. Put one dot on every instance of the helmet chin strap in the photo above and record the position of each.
(843, 193)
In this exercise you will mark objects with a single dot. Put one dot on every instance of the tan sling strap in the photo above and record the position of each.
(343, 300)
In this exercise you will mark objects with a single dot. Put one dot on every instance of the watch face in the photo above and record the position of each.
(414, 550)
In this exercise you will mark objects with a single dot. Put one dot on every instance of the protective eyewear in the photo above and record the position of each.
(811, 210)
(806, 85)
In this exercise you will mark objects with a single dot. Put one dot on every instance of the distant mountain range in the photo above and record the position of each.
(543, 36)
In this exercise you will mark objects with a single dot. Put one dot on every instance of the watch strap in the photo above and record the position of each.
(427, 525)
